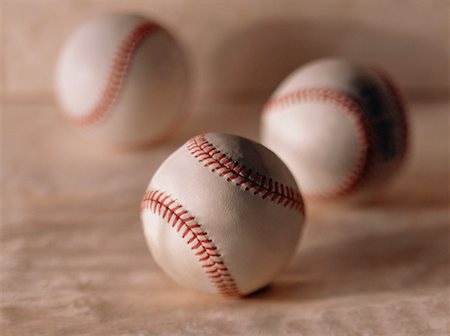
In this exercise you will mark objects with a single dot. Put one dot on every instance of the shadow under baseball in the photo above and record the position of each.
(388, 260)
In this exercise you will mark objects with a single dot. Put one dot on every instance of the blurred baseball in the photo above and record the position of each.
(222, 214)
(124, 79)
(340, 128)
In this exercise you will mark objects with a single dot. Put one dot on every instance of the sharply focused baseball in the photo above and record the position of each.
(124, 80)
(341, 129)
(223, 215)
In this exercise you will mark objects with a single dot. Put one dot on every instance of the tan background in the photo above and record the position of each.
(73, 257)
(241, 48)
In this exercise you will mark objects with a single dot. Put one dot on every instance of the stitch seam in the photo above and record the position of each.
(121, 63)
(240, 175)
(170, 210)
(350, 106)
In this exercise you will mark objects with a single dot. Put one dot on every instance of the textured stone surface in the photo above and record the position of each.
(74, 261)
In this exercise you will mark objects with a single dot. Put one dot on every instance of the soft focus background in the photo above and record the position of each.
(241, 49)
(73, 257)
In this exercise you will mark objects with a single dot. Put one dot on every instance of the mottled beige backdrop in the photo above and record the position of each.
(73, 259)
(241, 49)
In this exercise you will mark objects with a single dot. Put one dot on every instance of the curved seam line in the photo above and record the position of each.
(170, 210)
(349, 105)
(232, 170)
(117, 74)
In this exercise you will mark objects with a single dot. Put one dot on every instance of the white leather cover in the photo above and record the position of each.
(339, 127)
(254, 235)
(150, 86)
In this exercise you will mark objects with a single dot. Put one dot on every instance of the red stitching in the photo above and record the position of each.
(204, 248)
(118, 72)
(355, 111)
(205, 152)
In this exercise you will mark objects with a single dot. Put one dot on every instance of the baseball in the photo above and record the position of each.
(123, 79)
(340, 128)
(223, 215)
